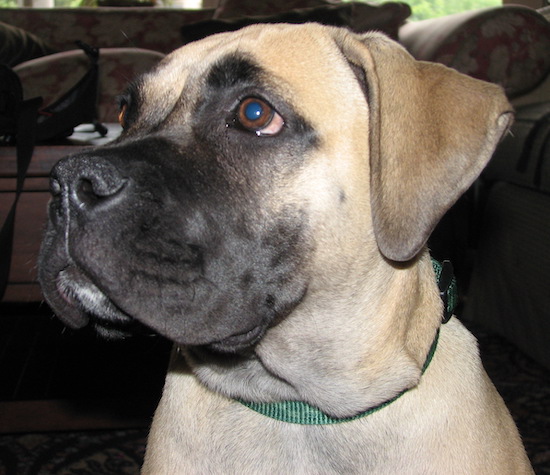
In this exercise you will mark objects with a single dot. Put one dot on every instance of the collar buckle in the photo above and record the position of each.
(448, 290)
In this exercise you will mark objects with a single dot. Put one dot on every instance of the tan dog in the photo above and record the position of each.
(279, 185)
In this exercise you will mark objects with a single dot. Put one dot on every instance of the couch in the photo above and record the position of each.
(508, 45)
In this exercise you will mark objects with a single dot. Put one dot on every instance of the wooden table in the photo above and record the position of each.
(31, 213)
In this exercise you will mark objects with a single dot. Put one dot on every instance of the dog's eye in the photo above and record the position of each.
(259, 117)
(123, 108)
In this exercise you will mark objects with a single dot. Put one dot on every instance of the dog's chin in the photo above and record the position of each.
(90, 307)
(114, 330)
(239, 343)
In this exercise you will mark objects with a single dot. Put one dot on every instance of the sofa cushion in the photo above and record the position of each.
(138, 27)
(356, 16)
(505, 45)
(18, 45)
(51, 76)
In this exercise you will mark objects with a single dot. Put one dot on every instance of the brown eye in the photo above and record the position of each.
(122, 114)
(258, 116)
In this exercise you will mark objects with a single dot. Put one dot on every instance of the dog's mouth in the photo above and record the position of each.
(91, 307)
(95, 309)
(238, 342)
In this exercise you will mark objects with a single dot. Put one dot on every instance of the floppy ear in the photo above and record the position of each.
(432, 130)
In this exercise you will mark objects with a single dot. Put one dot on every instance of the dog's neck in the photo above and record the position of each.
(299, 412)
(342, 373)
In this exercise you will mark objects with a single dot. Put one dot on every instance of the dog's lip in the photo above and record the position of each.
(97, 311)
(79, 292)
(238, 341)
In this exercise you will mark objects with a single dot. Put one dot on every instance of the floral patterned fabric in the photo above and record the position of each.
(52, 76)
(239, 8)
(138, 27)
(506, 45)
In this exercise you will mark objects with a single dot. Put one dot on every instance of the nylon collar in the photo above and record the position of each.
(299, 412)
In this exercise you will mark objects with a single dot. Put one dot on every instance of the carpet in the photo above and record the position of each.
(116, 452)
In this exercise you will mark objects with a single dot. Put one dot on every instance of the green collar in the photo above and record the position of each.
(298, 412)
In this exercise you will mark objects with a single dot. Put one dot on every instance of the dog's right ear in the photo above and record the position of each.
(432, 130)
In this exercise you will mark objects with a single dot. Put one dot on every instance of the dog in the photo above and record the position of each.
(267, 209)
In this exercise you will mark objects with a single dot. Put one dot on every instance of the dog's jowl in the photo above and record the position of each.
(267, 209)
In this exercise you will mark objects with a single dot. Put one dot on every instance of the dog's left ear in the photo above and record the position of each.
(432, 130)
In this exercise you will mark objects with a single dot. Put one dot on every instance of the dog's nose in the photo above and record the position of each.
(86, 180)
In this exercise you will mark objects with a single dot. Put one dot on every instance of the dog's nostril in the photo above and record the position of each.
(55, 187)
(92, 190)
(85, 191)
(87, 180)
(86, 187)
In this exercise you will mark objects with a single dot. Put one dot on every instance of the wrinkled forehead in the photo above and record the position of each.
(301, 62)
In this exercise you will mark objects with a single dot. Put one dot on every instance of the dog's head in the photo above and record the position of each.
(256, 166)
